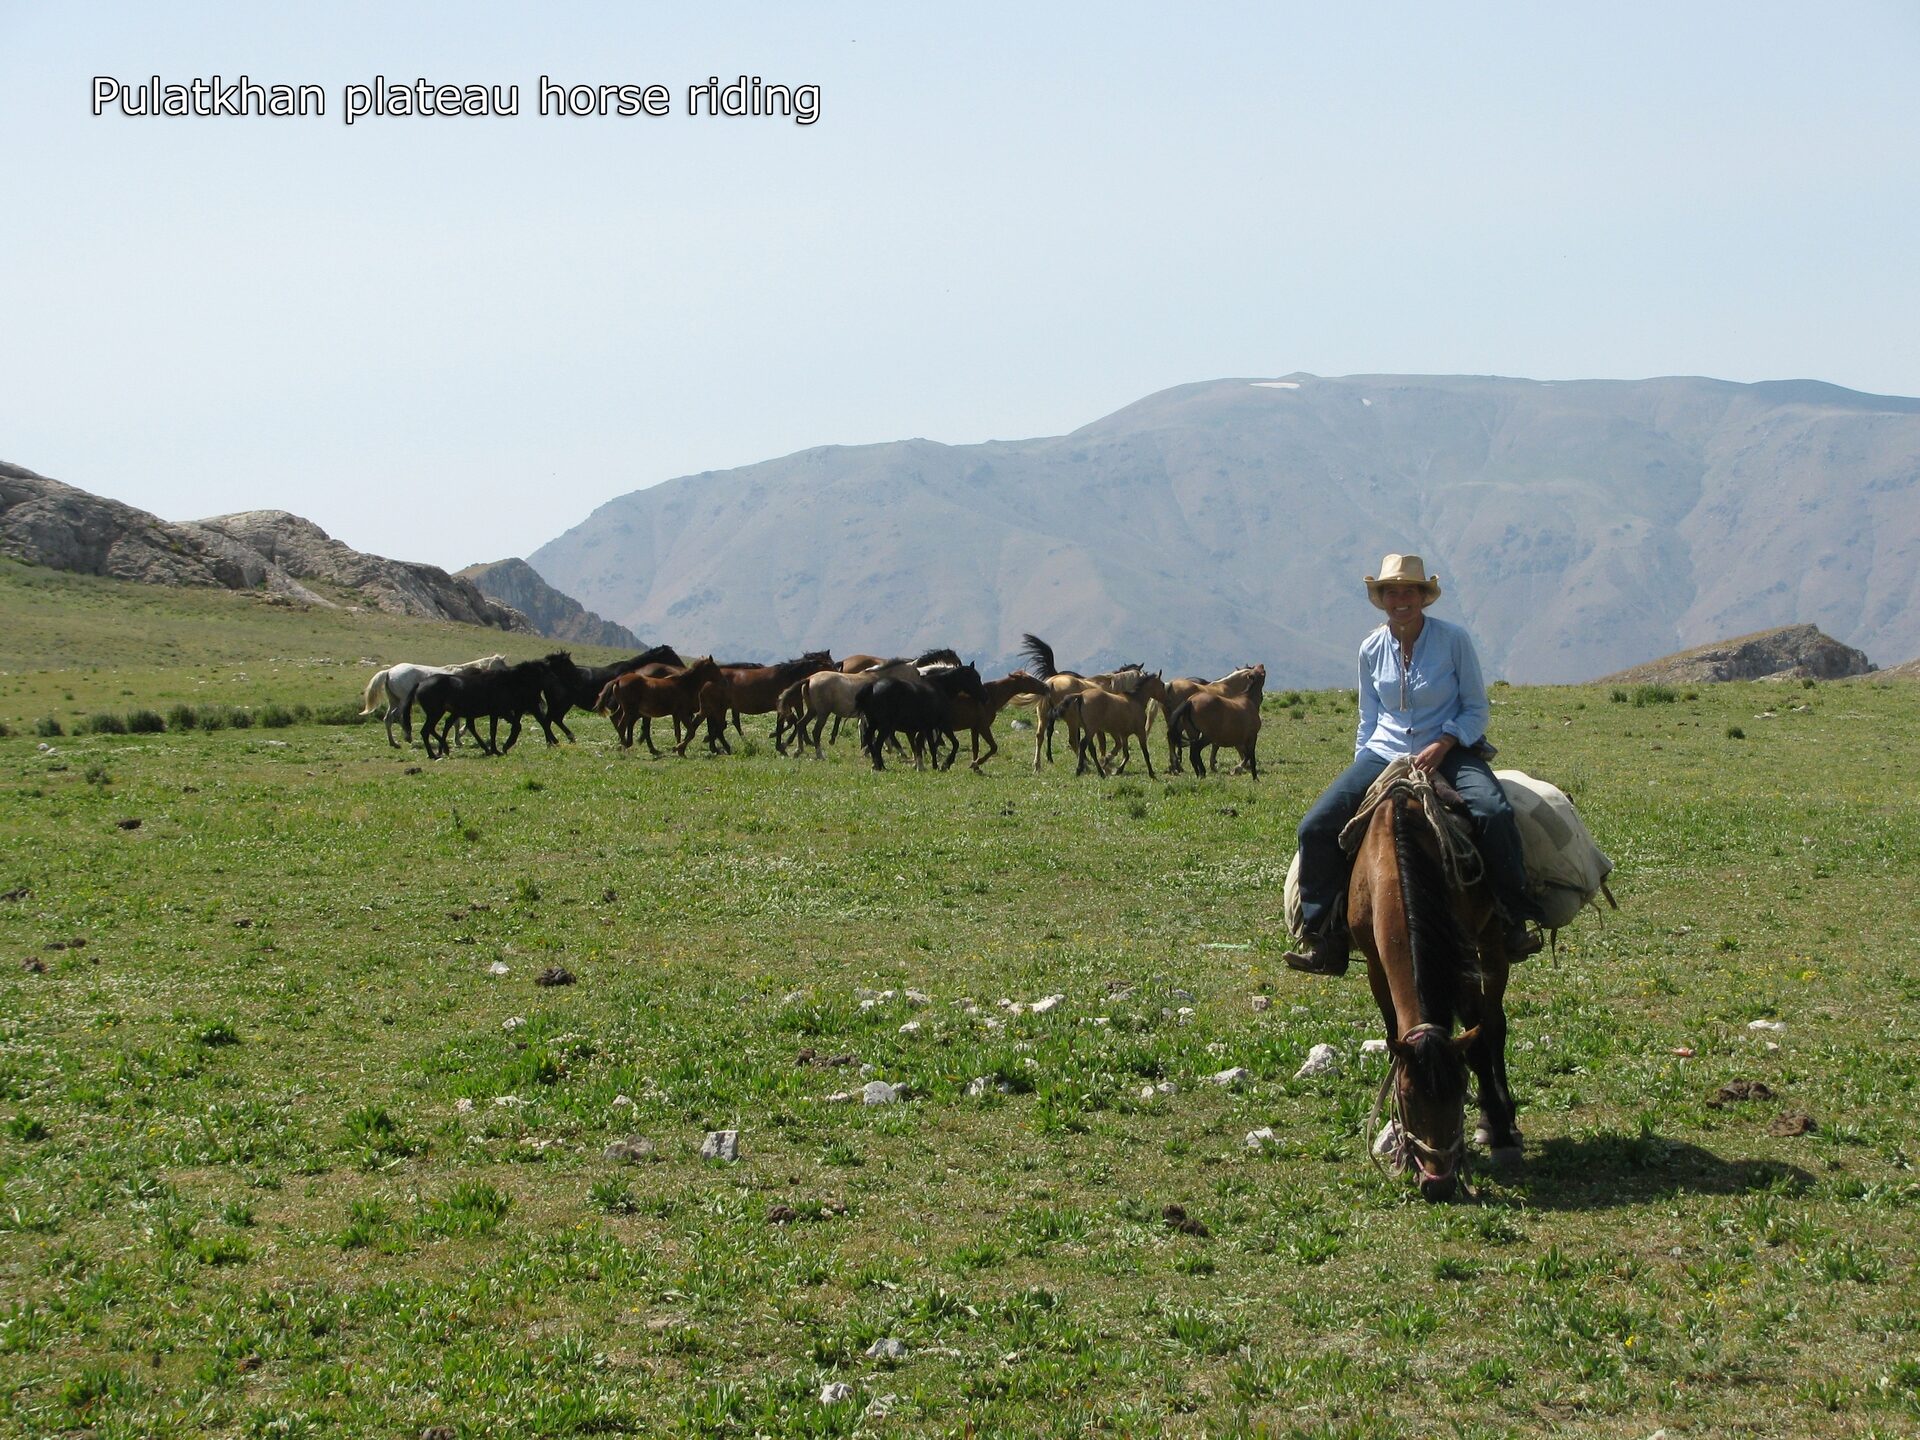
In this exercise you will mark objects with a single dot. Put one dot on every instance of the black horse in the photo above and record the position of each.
(578, 689)
(448, 700)
(920, 709)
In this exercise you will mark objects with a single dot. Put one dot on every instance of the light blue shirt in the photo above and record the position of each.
(1404, 709)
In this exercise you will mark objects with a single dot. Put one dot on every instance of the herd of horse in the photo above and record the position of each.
(920, 706)
(1434, 953)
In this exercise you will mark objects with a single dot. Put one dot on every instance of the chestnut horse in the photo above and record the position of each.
(1419, 911)
(639, 696)
(979, 715)
(1210, 717)
(752, 690)
(1234, 682)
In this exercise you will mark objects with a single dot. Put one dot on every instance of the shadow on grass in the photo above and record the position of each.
(1599, 1172)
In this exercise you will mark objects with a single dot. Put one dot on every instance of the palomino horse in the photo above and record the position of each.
(399, 683)
(978, 715)
(1060, 685)
(830, 694)
(639, 696)
(1209, 717)
(1234, 682)
(1420, 913)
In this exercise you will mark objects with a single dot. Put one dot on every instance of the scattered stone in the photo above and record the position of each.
(34, 965)
(807, 1056)
(1735, 1091)
(131, 822)
(439, 1432)
(609, 895)
(1261, 1138)
(554, 975)
(1177, 1219)
(841, 1097)
(978, 1086)
(887, 1349)
(1792, 1122)
(512, 1023)
(1766, 1025)
(623, 1102)
(879, 1092)
(912, 1027)
(1119, 990)
(242, 922)
(881, 1406)
(463, 1106)
(1685, 1052)
(782, 1215)
(1387, 1142)
(12, 895)
(411, 770)
(1321, 1060)
(498, 967)
(78, 942)
(916, 997)
(1373, 1046)
(1260, 1002)
(835, 1392)
(509, 1102)
(1233, 1079)
(1047, 1004)
(1186, 995)
(843, 1060)
(721, 1145)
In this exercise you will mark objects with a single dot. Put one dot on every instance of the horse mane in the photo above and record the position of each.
(1434, 933)
(939, 656)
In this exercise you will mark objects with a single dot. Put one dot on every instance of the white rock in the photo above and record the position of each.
(721, 1145)
(1166, 1087)
(1146, 1092)
(881, 1406)
(620, 1101)
(1375, 1046)
(994, 1024)
(1321, 1060)
(843, 1097)
(978, 1086)
(1388, 1140)
(1233, 1079)
(912, 1027)
(879, 1092)
(868, 1004)
(917, 997)
(1016, 1010)
(508, 1100)
(1185, 1013)
(1260, 1002)
(1047, 1003)
(1766, 1025)
(498, 967)
(1261, 1138)
(887, 1349)
(835, 1391)
(868, 1069)
(513, 1022)
(1183, 995)
(463, 1106)
(793, 997)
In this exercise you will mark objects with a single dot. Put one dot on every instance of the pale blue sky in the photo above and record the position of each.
(450, 339)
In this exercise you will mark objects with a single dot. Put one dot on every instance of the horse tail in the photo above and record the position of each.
(604, 700)
(1038, 654)
(1182, 715)
(374, 687)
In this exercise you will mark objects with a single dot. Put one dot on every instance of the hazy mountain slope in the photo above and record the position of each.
(1579, 527)
(557, 616)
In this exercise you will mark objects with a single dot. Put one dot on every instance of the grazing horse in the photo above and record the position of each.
(1419, 912)
(1104, 714)
(1208, 717)
(399, 683)
(640, 696)
(1234, 682)
(921, 709)
(978, 715)
(447, 700)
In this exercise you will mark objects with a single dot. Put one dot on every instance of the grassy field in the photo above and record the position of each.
(292, 1143)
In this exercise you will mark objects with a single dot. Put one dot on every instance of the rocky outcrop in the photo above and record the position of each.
(1791, 652)
(558, 616)
(47, 522)
(1908, 671)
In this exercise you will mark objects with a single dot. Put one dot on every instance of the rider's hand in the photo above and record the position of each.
(1428, 760)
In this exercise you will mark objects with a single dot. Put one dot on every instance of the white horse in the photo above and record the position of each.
(399, 682)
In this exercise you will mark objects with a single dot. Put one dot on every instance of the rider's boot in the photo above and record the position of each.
(1324, 954)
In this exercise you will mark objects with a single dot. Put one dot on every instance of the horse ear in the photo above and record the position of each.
(1400, 1048)
(1464, 1040)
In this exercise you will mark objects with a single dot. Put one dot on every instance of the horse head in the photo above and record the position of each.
(1429, 1083)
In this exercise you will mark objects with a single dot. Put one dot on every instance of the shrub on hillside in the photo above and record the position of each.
(345, 713)
(104, 723)
(238, 718)
(182, 717)
(47, 728)
(274, 716)
(1653, 695)
(145, 722)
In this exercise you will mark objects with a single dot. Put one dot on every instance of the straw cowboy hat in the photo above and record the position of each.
(1403, 570)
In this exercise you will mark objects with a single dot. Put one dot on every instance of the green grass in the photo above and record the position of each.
(279, 1155)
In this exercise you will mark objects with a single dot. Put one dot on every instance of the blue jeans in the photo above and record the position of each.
(1324, 866)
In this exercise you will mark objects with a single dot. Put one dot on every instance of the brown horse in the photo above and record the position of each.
(639, 696)
(1209, 717)
(1116, 715)
(829, 694)
(1422, 917)
(752, 690)
(979, 715)
(1185, 687)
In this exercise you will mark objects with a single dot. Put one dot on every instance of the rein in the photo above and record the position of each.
(1459, 856)
(1405, 1143)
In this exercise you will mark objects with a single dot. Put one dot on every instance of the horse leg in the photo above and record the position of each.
(993, 747)
(1488, 1057)
(1195, 744)
(1145, 755)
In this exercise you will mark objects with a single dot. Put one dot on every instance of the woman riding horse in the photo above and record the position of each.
(1421, 695)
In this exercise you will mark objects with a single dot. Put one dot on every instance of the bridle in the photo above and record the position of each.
(1433, 1160)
